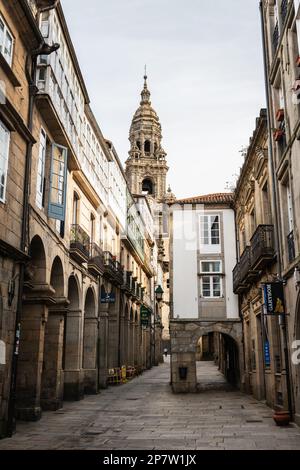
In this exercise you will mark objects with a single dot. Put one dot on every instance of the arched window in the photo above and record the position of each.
(147, 146)
(138, 144)
(147, 186)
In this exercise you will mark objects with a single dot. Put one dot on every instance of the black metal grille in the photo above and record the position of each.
(284, 10)
(276, 37)
(291, 247)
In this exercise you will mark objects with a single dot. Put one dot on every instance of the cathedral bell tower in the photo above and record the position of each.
(146, 167)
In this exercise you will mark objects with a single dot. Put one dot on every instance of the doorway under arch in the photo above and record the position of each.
(217, 362)
(90, 339)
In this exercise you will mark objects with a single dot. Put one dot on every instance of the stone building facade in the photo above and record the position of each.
(257, 265)
(17, 39)
(79, 262)
(202, 256)
(281, 40)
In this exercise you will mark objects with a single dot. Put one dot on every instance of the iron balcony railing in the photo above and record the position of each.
(245, 263)
(127, 280)
(113, 267)
(291, 247)
(284, 10)
(262, 244)
(80, 240)
(96, 256)
(236, 277)
(276, 37)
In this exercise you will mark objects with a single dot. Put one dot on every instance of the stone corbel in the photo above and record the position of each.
(39, 294)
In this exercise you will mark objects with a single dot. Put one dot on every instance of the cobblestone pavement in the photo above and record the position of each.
(144, 414)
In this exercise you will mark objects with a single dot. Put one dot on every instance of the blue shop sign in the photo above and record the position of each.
(267, 354)
(108, 298)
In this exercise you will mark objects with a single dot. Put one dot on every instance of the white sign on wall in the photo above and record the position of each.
(2, 353)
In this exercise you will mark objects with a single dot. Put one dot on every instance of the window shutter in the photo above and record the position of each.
(58, 182)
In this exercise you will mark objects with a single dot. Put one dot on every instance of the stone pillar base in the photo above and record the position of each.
(90, 381)
(103, 378)
(183, 370)
(74, 385)
(30, 413)
(51, 404)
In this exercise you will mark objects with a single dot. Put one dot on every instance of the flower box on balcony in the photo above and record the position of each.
(280, 115)
(278, 135)
(296, 85)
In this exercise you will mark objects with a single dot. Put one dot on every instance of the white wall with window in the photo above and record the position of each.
(6, 41)
(203, 255)
(211, 279)
(210, 236)
(4, 153)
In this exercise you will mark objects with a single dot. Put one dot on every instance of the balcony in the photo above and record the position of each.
(260, 253)
(262, 247)
(113, 269)
(96, 261)
(79, 244)
(291, 247)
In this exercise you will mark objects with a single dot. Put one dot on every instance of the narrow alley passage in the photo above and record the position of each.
(144, 414)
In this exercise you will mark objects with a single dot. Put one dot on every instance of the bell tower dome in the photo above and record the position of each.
(146, 167)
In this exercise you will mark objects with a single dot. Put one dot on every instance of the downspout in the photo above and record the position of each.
(239, 302)
(282, 318)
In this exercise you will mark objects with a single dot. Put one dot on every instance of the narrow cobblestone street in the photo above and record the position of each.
(144, 414)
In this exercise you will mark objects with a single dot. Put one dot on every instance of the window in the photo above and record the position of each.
(4, 149)
(45, 24)
(41, 171)
(58, 182)
(211, 283)
(6, 41)
(210, 230)
(92, 228)
(75, 209)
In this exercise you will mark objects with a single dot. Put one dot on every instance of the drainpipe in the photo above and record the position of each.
(282, 318)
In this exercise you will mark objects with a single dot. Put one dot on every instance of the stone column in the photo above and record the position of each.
(53, 375)
(30, 363)
(103, 349)
(73, 373)
(90, 336)
(137, 345)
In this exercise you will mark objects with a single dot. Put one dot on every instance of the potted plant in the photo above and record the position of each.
(296, 85)
(280, 115)
(281, 417)
(278, 135)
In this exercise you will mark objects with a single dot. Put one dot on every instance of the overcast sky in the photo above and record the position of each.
(204, 61)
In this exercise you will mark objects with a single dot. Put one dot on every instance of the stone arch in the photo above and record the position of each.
(73, 380)
(230, 331)
(74, 292)
(147, 146)
(148, 186)
(57, 277)
(37, 268)
(184, 340)
(90, 339)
